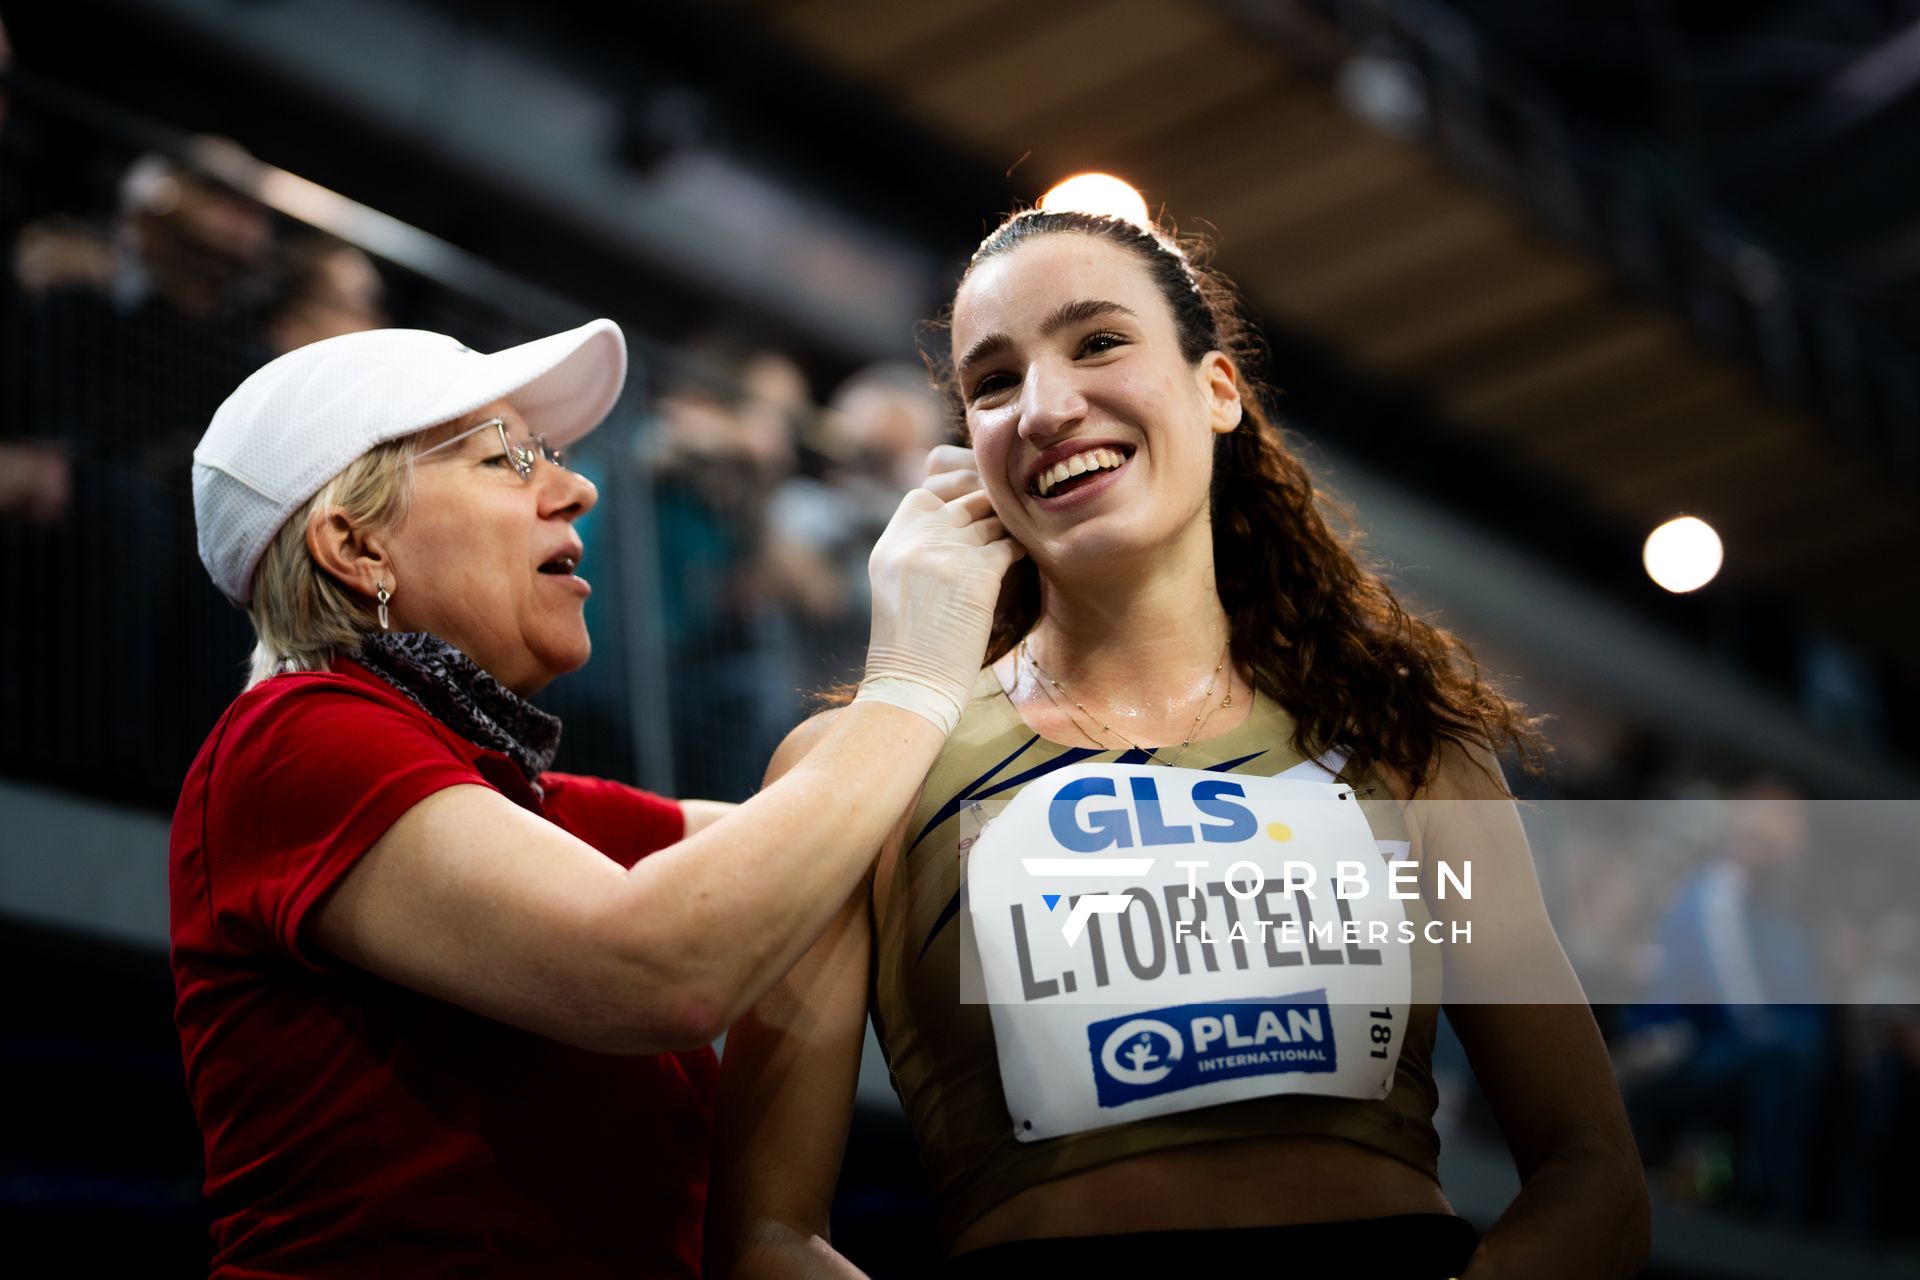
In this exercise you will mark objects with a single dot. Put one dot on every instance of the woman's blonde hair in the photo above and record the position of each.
(303, 618)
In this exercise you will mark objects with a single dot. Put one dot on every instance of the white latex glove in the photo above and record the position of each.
(936, 575)
(951, 472)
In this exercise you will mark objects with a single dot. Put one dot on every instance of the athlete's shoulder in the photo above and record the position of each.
(1458, 771)
(801, 740)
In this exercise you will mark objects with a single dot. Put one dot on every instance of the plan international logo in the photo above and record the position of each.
(1143, 1055)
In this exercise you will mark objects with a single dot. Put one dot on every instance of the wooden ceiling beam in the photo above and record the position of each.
(1505, 305)
(1517, 395)
(1318, 293)
(1101, 127)
(1266, 212)
(1659, 411)
(1690, 469)
(872, 38)
(1053, 53)
(1762, 496)
(1425, 287)
(1189, 156)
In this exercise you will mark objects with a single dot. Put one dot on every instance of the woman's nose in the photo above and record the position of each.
(1049, 401)
(563, 492)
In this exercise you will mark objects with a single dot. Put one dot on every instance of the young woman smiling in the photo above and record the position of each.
(1184, 604)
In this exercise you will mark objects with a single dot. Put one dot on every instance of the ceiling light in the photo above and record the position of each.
(1097, 193)
(1683, 554)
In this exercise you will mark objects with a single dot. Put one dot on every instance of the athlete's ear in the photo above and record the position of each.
(1220, 387)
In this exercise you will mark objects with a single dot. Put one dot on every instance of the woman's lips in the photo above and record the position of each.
(572, 582)
(1085, 491)
(1045, 479)
(1066, 450)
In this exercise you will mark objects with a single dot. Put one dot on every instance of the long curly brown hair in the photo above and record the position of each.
(1319, 631)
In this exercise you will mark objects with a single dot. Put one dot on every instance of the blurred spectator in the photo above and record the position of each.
(723, 442)
(57, 251)
(1733, 1036)
(35, 479)
(107, 386)
(1604, 923)
(873, 441)
(35, 482)
(889, 417)
(772, 399)
(195, 245)
(327, 288)
(794, 579)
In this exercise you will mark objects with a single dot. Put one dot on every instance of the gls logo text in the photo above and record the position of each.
(1122, 828)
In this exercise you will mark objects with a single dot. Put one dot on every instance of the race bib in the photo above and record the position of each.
(1156, 940)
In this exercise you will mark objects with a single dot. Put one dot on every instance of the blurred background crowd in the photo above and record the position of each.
(1512, 385)
(129, 321)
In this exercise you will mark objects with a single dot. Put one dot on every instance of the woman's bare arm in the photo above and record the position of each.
(472, 899)
(701, 814)
(1582, 1209)
(786, 1094)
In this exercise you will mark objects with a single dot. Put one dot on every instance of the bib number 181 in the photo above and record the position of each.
(1382, 1032)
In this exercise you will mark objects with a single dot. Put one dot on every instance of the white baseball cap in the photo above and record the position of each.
(298, 421)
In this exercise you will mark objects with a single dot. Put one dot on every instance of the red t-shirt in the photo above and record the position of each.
(354, 1127)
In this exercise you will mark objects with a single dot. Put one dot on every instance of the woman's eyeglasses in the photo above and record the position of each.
(519, 456)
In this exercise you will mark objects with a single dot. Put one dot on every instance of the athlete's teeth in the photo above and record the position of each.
(1078, 464)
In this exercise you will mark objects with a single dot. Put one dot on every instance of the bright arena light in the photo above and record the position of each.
(1683, 554)
(1100, 193)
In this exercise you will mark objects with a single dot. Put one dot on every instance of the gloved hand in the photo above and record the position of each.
(951, 472)
(936, 575)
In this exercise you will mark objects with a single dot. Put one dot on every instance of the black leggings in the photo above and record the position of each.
(1411, 1246)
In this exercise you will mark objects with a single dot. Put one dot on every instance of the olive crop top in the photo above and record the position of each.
(941, 1051)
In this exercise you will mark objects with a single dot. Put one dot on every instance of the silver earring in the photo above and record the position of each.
(382, 596)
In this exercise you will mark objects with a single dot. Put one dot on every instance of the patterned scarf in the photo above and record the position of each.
(451, 687)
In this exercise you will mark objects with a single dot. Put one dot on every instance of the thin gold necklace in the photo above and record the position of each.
(1207, 707)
